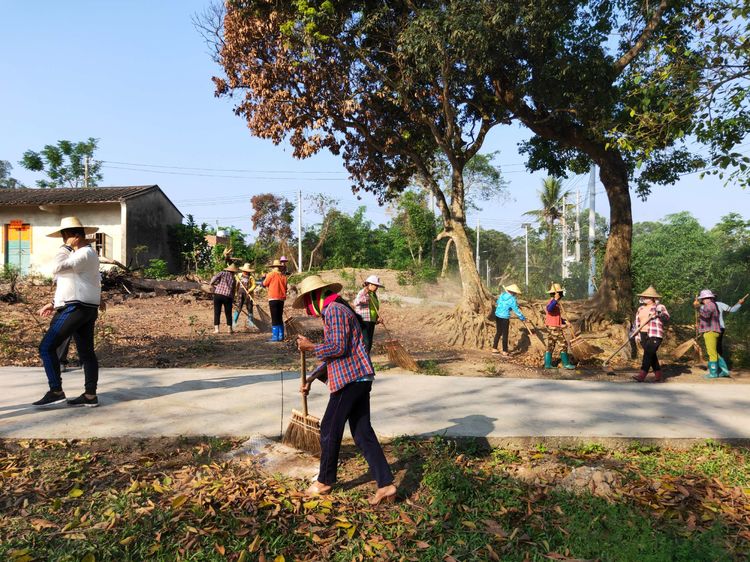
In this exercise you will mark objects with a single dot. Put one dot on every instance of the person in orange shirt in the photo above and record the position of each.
(275, 283)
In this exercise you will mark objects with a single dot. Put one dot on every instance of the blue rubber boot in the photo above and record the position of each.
(274, 334)
(548, 360)
(723, 367)
(565, 360)
(281, 332)
(713, 370)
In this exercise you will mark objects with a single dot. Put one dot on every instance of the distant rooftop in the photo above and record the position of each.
(71, 195)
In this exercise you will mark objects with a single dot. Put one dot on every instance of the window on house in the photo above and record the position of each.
(103, 245)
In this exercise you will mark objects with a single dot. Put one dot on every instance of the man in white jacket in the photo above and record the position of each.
(75, 308)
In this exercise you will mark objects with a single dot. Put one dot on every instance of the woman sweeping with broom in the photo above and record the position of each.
(649, 322)
(710, 326)
(367, 306)
(505, 303)
(346, 367)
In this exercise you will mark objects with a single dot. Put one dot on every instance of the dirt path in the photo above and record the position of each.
(177, 331)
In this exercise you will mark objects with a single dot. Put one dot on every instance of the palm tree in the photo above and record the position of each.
(550, 196)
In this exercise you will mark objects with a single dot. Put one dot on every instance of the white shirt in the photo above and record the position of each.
(726, 308)
(78, 279)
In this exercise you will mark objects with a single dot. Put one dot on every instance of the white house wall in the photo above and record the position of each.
(106, 216)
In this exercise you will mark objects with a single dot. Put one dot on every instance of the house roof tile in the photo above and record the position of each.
(69, 195)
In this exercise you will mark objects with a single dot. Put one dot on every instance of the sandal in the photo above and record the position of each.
(495, 351)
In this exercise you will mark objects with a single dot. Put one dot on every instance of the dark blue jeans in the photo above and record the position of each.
(352, 404)
(77, 321)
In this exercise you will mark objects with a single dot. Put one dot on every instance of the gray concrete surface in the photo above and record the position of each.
(169, 402)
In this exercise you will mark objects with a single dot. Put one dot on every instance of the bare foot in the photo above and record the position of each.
(318, 489)
(386, 494)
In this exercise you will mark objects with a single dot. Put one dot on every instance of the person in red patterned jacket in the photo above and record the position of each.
(649, 321)
(709, 324)
(348, 371)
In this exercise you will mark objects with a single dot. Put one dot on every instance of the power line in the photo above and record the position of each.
(220, 175)
(221, 169)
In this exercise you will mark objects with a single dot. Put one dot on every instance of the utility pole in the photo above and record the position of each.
(592, 228)
(578, 226)
(86, 172)
(488, 273)
(478, 246)
(564, 242)
(299, 231)
(526, 227)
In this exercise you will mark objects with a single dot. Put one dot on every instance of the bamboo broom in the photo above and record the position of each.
(581, 349)
(303, 431)
(397, 353)
(692, 343)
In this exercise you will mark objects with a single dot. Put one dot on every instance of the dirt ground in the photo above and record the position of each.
(145, 330)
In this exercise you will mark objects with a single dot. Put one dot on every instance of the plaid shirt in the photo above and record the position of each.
(708, 318)
(656, 324)
(223, 283)
(367, 305)
(343, 350)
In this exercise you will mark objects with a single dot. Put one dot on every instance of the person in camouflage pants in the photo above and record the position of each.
(554, 322)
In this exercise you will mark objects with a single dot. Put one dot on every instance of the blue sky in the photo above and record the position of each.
(137, 76)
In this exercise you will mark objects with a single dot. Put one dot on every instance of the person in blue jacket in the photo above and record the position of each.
(505, 303)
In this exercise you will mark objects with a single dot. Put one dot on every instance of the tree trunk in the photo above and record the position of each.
(471, 327)
(446, 258)
(616, 288)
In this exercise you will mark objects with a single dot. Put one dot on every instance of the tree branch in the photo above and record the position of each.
(645, 35)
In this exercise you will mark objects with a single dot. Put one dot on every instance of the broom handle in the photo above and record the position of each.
(565, 325)
(532, 331)
(303, 377)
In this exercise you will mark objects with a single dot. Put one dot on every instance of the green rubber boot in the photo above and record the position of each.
(548, 360)
(565, 360)
(713, 370)
(723, 367)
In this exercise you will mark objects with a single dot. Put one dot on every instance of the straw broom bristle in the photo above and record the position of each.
(582, 349)
(398, 355)
(303, 432)
(683, 348)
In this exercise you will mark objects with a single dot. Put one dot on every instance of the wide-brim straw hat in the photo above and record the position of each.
(513, 288)
(374, 280)
(706, 294)
(72, 222)
(247, 268)
(232, 268)
(650, 293)
(556, 288)
(310, 284)
(276, 263)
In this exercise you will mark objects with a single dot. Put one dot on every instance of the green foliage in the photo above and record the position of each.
(188, 245)
(6, 181)
(64, 164)
(417, 275)
(431, 367)
(156, 269)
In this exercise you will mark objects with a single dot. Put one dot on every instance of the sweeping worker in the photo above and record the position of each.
(367, 305)
(346, 367)
(505, 303)
(554, 322)
(224, 285)
(650, 319)
(275, 283)
(245, 287)
(710, 327)
(76, 306)
(722, 309)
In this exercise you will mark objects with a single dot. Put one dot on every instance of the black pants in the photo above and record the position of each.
(226, 302)
(501, 329)
(369, 334)
(247, 302)
(277, 312)
(352, 404)
(650, 346)
(77, 321)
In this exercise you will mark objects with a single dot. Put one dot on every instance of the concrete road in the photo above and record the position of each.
(170, 402)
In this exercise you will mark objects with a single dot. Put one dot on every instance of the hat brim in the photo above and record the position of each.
(86, 229)
(247, 270)
(299, 302)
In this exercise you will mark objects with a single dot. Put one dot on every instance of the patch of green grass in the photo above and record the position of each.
(431, 367)
(491, 369)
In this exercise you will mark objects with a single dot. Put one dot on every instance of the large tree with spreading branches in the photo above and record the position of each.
(395, 86)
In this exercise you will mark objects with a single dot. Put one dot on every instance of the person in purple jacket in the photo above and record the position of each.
(710, 326)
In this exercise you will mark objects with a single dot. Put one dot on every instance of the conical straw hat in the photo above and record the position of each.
(513, 289)
(310, 284)
(650, 293)
(556, 288)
